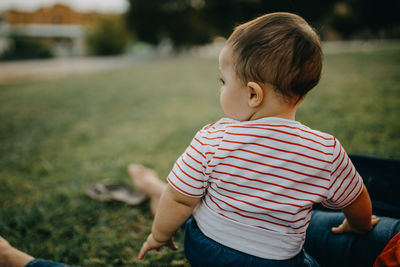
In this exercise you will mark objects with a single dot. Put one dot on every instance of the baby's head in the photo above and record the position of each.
(279, 49)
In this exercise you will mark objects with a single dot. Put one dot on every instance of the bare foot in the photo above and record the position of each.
(146, 180)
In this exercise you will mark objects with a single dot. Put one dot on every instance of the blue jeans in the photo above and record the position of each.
(45, 263)
(348, 249)
(202, 251)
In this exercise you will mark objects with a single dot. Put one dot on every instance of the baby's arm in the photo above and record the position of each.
(173, 210)
(359, 218)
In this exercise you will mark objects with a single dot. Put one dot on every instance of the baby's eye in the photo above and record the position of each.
(221, 80)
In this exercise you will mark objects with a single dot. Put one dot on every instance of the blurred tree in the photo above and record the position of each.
(226, 14)
(366, 18)
(107, 36)
(145, 18)
(188, 22)
(26, 48)
(181, 21)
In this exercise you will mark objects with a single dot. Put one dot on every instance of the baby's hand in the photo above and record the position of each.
(151, 243)
(345, 227)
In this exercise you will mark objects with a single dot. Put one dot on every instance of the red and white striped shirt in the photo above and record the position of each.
(259, 179)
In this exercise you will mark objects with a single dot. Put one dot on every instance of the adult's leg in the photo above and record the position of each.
(348, 249)
(12, 257)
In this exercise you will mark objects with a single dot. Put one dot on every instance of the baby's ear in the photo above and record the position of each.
(255, 94)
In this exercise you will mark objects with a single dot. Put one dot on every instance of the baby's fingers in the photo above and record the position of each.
(343, 228)
(150, 244)
(339, 229)
(374, 220)
(143, 251)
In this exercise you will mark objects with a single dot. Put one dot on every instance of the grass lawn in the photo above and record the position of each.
(58, 137)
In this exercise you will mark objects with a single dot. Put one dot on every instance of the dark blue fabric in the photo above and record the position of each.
(348, 249)
(45, 263)
(202, 251)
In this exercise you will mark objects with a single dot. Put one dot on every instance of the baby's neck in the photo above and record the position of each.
(282, 110)
(290, 115)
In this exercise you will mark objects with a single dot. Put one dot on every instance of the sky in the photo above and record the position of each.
(107, 6)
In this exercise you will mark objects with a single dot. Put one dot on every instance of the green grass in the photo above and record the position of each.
(58, 137)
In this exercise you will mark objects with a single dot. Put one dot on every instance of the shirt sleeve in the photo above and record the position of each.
(188, 174)
(346, 184)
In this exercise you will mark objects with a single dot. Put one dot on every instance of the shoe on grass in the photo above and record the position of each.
(108, 191)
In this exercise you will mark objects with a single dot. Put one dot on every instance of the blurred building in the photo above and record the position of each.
(59, 25)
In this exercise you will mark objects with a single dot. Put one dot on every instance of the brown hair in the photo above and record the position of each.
(280, 49)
